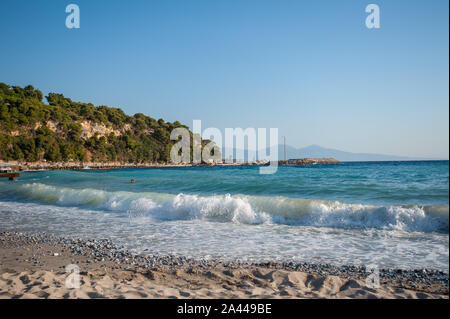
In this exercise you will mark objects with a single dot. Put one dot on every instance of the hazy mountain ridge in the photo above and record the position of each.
(316, 151)
(319, 151)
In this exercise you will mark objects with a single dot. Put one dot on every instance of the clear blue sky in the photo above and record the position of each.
(310, 68)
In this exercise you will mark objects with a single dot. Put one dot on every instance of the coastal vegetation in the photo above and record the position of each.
(62, 130)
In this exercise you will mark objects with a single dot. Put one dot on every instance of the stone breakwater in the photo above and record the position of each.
(309, 161)
(45, 252)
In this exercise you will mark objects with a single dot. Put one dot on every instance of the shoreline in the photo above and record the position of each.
(33, 266)
(48, 166)
(41, 166)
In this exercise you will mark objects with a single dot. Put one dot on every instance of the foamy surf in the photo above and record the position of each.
(242, 209)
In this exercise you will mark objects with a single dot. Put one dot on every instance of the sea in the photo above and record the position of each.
(387, 214)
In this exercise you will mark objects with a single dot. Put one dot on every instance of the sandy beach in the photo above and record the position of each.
(34, 266)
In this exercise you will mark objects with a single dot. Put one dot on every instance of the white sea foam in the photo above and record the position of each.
(240, 209)
(196, 238)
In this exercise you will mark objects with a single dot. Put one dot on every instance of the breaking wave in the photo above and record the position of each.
(242, 209)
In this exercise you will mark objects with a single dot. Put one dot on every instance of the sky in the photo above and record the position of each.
(312, 69)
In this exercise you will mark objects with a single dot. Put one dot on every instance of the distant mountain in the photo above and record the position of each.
(317, 151)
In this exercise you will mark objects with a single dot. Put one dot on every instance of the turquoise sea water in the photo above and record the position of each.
(394, 214)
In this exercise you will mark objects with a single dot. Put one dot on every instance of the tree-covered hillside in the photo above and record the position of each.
(64, 130)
